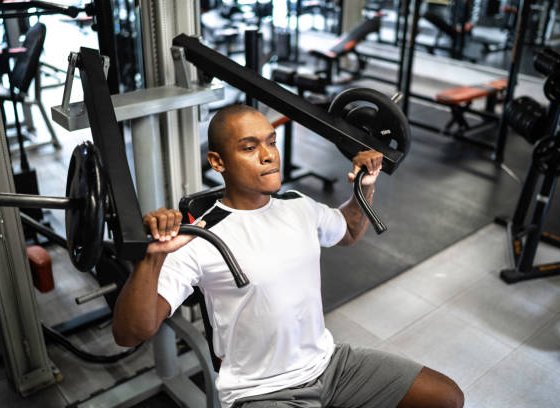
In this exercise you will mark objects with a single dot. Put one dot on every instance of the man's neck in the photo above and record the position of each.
(245, 202)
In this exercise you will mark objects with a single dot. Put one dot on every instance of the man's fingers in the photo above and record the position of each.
(177, 225)
(170, 224)
(151, 222)
(164, 224)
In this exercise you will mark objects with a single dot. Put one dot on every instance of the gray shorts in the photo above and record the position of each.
(355, 377)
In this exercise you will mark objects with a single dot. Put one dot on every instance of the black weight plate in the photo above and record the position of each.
(85, 221)
(527, 117)
(552, 87)
(377, 114)
(546, 156)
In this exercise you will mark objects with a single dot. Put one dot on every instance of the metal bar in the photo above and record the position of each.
(72, 59)
(96, 293)
(411, 44)
(403, 47)
(349, 139)
(252, 51)
(106, 37)
(525, 198)
(126, 222)
(34, 201)
(52, 8)
(542, 205)
(192, 336)
(43, 230)
(512, 75)
(23, 350)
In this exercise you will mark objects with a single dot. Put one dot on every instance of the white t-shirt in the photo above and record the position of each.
(270, 334)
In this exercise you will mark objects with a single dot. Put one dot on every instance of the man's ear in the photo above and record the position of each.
(216, 161)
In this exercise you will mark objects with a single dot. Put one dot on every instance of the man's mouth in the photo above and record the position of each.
(271, 171)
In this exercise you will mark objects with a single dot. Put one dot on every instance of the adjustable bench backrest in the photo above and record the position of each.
(349, 40)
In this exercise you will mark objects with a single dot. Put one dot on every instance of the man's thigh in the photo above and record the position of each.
(304, 396)
(277, 404)
(364, 378)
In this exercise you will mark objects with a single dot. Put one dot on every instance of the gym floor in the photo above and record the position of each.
(437, 297)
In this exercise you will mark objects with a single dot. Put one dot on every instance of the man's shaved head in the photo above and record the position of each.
(217, 132)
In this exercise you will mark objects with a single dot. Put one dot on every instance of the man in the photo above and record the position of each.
(269, 335)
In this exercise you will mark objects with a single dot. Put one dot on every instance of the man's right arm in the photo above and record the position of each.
(139, 309)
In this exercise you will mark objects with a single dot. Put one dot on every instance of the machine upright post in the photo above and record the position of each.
(23, 346)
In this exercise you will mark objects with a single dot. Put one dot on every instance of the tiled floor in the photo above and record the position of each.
(499, 342)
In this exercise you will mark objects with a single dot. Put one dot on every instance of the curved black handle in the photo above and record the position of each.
(238, 275)
(366, 207)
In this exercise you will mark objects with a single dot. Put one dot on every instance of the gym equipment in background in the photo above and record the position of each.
(318, 80)
(540, 127)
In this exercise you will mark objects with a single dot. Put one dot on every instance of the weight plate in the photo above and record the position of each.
(527, 117)
(376, 114)
(546, 156)
(552, 87)
(85, 220)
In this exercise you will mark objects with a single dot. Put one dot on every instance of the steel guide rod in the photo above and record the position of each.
(349, 139)
(35, 201)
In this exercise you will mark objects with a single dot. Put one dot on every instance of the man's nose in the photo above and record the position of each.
(267, 154)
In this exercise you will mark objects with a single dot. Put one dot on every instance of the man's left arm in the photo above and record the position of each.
(356, 221)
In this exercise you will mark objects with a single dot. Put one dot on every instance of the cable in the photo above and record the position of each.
(58, 338)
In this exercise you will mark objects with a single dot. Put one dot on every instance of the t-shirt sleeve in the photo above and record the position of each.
(330, 223)
(179, 273)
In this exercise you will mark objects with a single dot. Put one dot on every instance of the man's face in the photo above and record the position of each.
(250, 156)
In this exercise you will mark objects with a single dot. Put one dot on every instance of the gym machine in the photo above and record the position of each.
(93, 199)
(85, 184)
(361, 128)
(100, 194)
(24, 353)
(539, 126)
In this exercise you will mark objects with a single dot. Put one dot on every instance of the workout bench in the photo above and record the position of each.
(318, 80)
(460, 98)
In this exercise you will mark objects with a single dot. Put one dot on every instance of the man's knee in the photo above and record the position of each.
(452, 396)
(434, 390)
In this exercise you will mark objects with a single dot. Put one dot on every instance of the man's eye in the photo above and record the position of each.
(249, 148)
(273, 143)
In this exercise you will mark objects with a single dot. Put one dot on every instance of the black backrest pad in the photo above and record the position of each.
(197, 203)
(26, 64)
